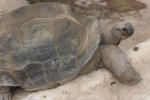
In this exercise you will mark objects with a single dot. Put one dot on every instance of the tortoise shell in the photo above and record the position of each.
(44, 45)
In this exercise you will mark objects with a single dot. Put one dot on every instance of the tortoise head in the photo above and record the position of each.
(116, 32)
(122, 31)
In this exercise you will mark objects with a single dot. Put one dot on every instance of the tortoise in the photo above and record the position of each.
(48, 44)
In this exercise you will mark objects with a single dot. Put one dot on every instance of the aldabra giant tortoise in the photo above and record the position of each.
(45, 45)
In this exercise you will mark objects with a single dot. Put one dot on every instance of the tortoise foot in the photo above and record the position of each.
(116, 61)
(130, 76)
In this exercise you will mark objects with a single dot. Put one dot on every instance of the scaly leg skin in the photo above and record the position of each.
(117, 63)
(5, 93)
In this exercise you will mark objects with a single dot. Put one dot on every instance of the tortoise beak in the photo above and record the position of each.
(128, 29)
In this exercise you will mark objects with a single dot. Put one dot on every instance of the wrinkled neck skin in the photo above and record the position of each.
(109, 39)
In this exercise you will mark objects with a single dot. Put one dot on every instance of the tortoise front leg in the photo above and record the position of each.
(5, 93)
(117, 63)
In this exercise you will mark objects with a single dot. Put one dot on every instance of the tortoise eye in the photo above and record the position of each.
(125, 30)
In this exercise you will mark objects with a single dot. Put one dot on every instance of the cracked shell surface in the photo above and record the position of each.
(44, 45)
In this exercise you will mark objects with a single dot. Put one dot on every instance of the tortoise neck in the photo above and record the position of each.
(109, 39)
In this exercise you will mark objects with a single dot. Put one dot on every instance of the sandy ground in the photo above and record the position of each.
(101, 85)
